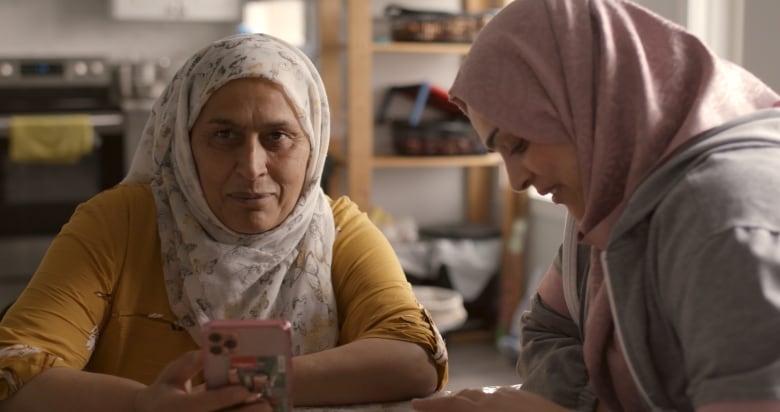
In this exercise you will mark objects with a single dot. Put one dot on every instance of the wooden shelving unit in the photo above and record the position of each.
(422, 48)
(486, 160)
(346, 64)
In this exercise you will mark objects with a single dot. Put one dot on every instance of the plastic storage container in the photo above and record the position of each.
(435, 26)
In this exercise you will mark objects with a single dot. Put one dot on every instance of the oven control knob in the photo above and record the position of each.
(6, 69)
(80, 68)
(97, 68)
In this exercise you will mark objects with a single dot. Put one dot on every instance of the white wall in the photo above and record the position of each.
(750, 23)
(760, 51)
(672, 10)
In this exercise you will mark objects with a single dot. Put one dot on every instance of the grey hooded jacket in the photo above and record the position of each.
(693, 274)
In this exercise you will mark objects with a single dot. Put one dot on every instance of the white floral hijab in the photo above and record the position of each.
(212, 272)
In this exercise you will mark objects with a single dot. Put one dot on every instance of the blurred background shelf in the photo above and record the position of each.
(355, 66)
(347, 64)
(419, 47)
(482, 160)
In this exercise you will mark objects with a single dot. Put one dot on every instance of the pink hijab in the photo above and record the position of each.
(627, 88)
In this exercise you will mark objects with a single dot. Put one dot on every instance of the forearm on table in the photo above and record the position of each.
(551, 360)
(64, 389)
(363, 371)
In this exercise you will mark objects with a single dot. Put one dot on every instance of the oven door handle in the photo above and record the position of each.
(107, 123)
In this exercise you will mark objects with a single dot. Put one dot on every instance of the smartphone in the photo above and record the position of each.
(254, 353)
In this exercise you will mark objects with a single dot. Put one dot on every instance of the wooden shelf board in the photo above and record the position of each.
(421, 47)
(489, 159)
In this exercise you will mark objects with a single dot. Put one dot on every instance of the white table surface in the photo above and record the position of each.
(405, 406)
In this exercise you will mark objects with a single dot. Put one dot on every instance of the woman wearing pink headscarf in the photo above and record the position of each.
(668, 161)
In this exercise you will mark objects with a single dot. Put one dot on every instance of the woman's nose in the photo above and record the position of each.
(519, 176)
(252, 159)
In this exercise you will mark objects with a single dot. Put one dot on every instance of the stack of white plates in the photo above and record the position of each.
(444, 305)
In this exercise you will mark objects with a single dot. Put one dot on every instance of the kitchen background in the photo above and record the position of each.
(147, 40)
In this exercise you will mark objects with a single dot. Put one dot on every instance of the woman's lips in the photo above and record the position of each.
(555, 198)
(548, 190)
(250, 197)
(553, 191)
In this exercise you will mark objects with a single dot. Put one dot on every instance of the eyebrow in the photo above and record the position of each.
(273, 124)
(490, 142)
(220, 121)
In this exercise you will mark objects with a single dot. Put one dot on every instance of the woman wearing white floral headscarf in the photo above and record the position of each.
(221, 216)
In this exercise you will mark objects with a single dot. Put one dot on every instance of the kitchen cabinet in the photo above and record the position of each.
(177, 10)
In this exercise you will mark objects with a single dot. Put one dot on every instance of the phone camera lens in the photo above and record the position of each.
(215, 337)
(216, 350)
(230, 343)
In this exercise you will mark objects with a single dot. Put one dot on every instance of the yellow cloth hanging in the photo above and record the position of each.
(50, 138)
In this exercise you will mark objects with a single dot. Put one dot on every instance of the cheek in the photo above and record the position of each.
(213, 172)
(205, 166)
(291, 171)
(573, 180)
(549, 161)
(201, 157)
(572, 171)
(201, 167)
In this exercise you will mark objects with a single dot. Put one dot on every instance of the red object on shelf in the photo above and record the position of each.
(438, 98)
(424, 95)
(448, 136)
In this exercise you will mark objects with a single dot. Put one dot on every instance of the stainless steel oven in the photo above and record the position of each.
(36, 199)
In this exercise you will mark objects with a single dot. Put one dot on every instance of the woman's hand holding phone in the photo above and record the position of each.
(171, 391)
(256, 354)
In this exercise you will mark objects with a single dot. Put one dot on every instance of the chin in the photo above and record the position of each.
(576, 212)
(249, 227)
(256, 229)
(249, 222)
(244, 231)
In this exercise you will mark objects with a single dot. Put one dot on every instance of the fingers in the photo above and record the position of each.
(171, 390)
(218, 399)
(198, 388)
(253, 382)
(182, 369)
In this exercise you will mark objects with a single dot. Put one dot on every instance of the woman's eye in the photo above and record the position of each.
(225, 134)
(277, 136)
(277, 140)
(520, 147)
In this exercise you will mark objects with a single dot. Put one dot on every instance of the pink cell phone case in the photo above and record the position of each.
(253, 353)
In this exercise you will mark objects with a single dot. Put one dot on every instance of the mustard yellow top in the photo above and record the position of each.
(103, 272)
